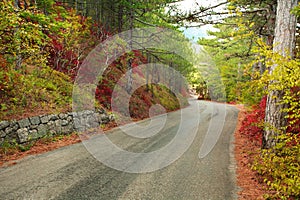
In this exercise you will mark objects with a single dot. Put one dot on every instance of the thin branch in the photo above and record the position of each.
(145, 23)
(201, 11)
(227, 13)
(209, 8)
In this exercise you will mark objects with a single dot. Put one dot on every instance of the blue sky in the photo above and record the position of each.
(190, 5)
(194, 33)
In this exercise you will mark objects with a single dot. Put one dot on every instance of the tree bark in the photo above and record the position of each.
(284, 44)
(120, 18)
(129, 63)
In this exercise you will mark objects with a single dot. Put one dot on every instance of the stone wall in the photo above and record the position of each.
(32, 128)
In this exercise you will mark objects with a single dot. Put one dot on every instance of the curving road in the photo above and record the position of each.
(204, 168)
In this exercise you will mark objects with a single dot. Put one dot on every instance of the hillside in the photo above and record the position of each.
(39, 65)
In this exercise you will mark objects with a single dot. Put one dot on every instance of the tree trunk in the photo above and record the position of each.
(284, 44)
(19, 58)
(147, 71)
(120, 18)
(129, 63)
(170, 77)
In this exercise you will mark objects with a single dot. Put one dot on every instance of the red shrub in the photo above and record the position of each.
(252, 125)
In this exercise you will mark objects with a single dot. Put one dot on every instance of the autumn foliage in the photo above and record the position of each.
(252, 125)
(41, 51)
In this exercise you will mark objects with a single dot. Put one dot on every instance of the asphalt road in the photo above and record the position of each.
(205, 170)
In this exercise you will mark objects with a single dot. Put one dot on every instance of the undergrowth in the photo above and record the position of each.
(252, 125)
(9, 148)
(38, 67)
(27, 90)
(279, 167)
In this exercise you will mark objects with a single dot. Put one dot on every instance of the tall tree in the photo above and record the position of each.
(284, 44)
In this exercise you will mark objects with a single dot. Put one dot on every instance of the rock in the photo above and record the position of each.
(4, 124)
(52, 132)
(72, 114)
(85, 113)
(22, 134)
(31, 128)
(67, 129)
(23, 123)
(2, 134)
(77, 124)
(58, 123)
(45, 119)
(98, 116)
(52, 127)
(35, 120)
(14, 125)
(111, 117)
(62, 116)
(70, 118)
(42, 130)
(33, 134)
(79, 114)
(58, 126)
(64, 122)
(104, 119)
(9, 130)
(92, 121)
(34, 126)
(88, 112)
(53, 117)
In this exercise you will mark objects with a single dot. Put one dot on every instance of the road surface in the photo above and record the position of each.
(73, 173)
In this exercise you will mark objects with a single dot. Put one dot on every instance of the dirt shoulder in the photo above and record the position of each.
(252, 187)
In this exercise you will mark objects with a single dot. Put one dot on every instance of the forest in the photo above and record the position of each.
(254, 47)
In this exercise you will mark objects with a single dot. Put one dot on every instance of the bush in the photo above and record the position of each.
(33, 89)
(280, 167)
(252, 125)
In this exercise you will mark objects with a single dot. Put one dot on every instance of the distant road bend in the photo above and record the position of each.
(73, 173)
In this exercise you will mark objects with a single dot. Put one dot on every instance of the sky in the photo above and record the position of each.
(194, 33)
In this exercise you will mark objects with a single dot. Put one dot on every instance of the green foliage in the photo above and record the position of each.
(142, 100)
(7, 147)
(25, 147)
(27, 84)
(285, 77)
(44, 88)
(230, 49)
(280, 167)
(167, 99)
(21, 36)
(296, 10)
(11, 147)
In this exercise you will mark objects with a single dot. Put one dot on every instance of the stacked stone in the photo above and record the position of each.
(32, 128)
